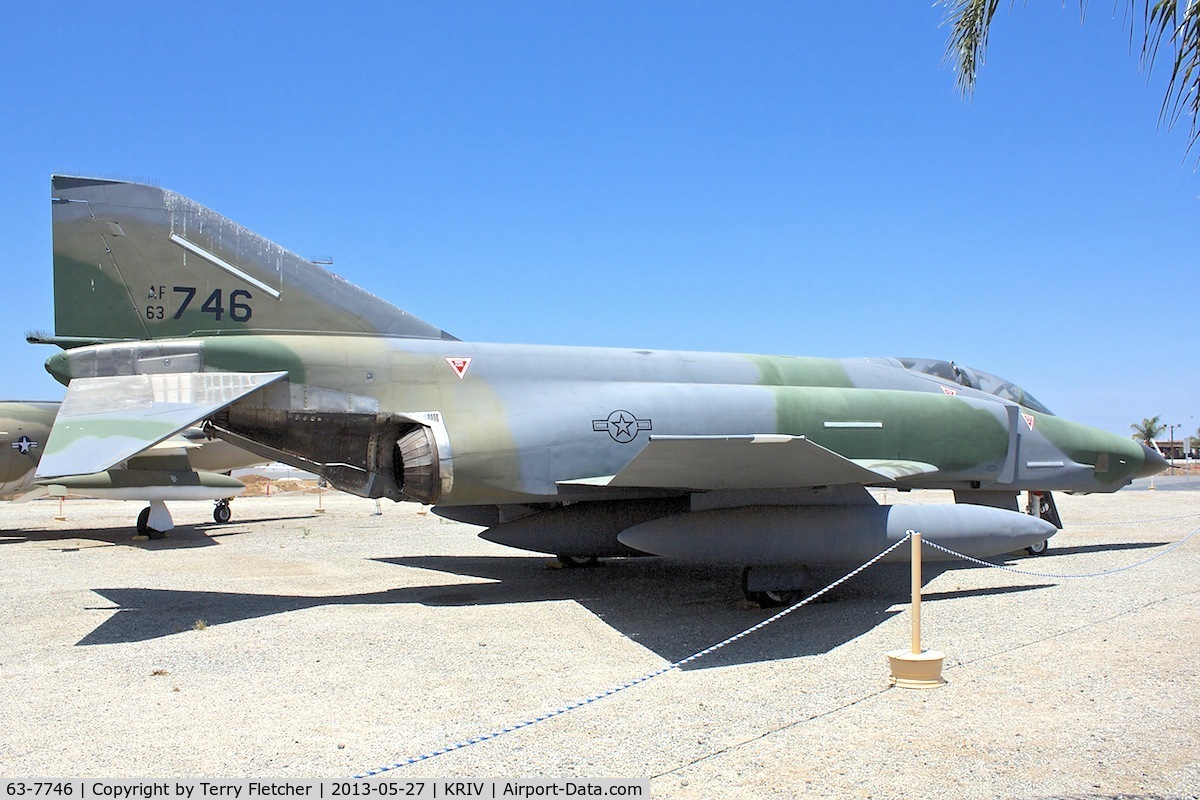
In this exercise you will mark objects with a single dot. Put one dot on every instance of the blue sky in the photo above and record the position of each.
(772, 177)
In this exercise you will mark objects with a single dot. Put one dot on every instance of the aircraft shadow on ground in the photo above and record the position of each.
(1104, 548)
(182, 537)
(671, 608)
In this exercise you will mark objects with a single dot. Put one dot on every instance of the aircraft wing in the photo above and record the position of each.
(104, 421)
(764, 461)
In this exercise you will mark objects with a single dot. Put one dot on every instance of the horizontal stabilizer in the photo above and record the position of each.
(104, 421)
(768, 461)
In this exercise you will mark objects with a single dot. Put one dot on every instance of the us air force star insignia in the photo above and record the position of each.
(24, 444)
(622, 426)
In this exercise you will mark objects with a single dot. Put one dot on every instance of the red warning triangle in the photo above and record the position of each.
(459, 365)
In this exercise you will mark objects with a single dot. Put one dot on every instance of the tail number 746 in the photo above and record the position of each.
(239, 309)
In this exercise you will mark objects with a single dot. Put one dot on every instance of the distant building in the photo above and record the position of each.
(1175, 449)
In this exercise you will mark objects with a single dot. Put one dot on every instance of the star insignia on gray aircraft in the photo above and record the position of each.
(622, 426)
(24, 444)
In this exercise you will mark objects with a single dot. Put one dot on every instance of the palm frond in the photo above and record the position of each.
(966, 49)
(1173, 23)
(1181, 27)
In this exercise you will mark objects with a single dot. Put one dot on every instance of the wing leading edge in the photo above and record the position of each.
(764, 461)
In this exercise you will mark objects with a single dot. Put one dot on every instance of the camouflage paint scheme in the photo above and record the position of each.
(523, 419)
(177, 470)
(24, 429)
(335, 380)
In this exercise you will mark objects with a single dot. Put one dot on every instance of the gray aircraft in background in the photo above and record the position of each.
(171, 316)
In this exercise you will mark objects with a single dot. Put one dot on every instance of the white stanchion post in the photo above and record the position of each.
(916, 668)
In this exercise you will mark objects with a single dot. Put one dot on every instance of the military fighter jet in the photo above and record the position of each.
(171, 315)
(180, 468)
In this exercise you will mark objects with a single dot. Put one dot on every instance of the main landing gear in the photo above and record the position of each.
(155, 520)
(222, 513)
(578, 562)
(1038, 549)
(772, 587)
(773, 599)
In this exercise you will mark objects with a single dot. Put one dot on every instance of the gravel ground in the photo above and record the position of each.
(296, 644)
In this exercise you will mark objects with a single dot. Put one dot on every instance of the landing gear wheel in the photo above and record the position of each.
(222, 513)
(773, 598)
(578, 562)
(143, 526)
(1038, 549)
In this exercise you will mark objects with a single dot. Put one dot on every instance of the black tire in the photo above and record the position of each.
(222, 513)
(773, 599)
(578, 562)
(1038, 549)
(769, 599)
(143, 526)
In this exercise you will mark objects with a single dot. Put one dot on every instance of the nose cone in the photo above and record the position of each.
(1153, 462)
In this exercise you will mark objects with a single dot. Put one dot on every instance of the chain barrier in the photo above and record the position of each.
(637, 681)
(759, 626)
(1100, 574)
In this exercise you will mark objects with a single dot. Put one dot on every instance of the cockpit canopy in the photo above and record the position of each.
(975, 379)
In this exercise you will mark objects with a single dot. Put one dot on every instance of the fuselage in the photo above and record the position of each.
(24, 429)
(510, 423)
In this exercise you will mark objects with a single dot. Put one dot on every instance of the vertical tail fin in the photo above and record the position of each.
(133, 261)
